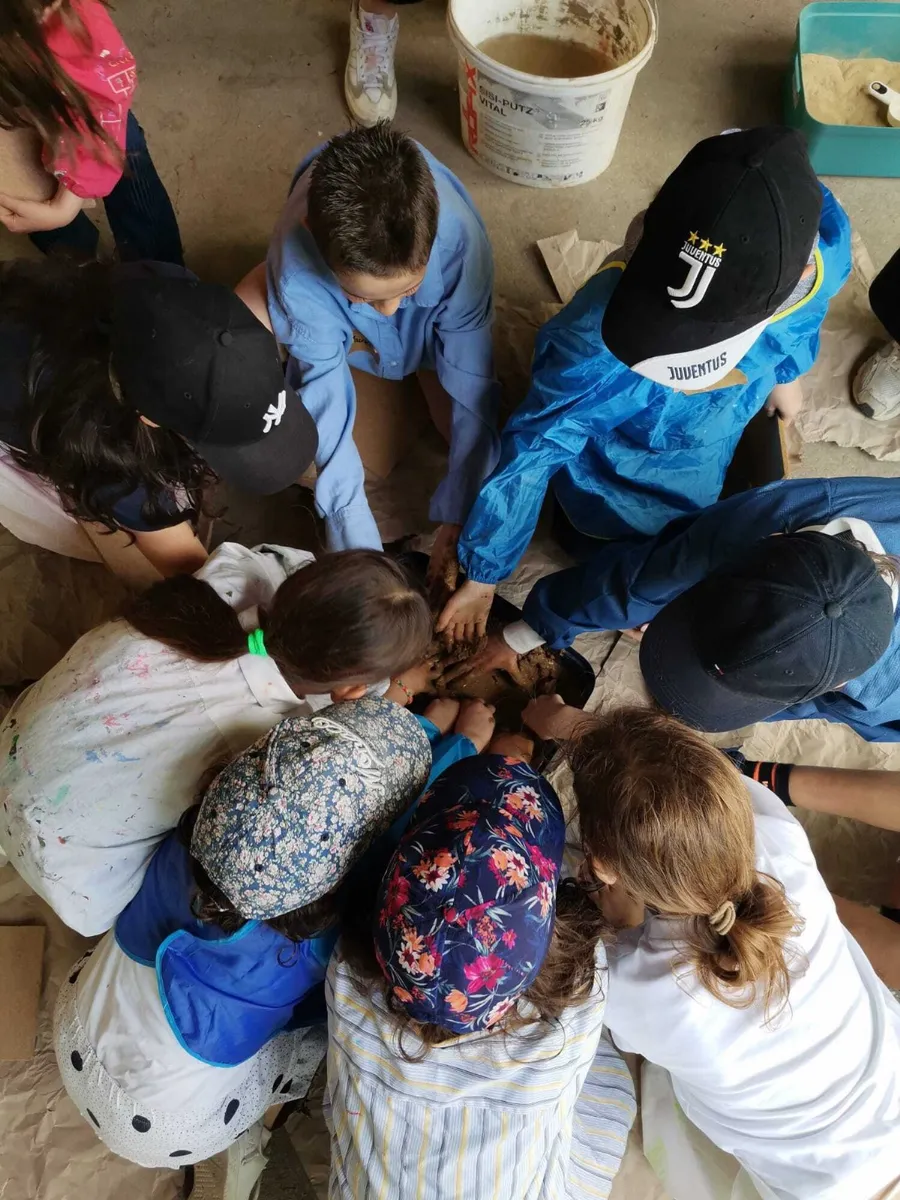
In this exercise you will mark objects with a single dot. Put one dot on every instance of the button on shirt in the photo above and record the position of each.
(444, 326)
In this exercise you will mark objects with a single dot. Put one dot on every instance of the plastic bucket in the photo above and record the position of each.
(536, 130)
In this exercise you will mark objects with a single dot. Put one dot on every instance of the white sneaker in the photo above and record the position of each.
(370, 85)
(235, 1173)
(876, 388)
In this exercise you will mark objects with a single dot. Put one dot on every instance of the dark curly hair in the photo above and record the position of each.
(80, 434)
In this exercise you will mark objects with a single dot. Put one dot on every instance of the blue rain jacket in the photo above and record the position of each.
(626, 583)
(224, 995)
(626, 455)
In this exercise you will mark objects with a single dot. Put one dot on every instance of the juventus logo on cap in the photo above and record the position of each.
(703, 260)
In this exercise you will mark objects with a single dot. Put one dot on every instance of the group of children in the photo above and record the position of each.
(227, 782)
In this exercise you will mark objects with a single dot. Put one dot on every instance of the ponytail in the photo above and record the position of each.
(191, 617)
(350, 617)
(670, 816)
(747, 963)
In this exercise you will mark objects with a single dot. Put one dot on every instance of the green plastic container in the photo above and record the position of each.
(845, 29)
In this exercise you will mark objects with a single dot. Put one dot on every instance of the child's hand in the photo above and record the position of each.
(785, 399)
(476, 722)
(413, 682)
(35, 216)
(465, 614)
(494, 654)
(551, 718)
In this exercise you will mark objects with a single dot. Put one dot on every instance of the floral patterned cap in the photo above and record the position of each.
(283, 824)
(467, 905)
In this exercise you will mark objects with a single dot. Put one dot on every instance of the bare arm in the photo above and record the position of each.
(253, 291)
(869, 796)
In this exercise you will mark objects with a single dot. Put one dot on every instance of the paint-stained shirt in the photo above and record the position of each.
(445, 326)
(99, 759)
(539, 1116)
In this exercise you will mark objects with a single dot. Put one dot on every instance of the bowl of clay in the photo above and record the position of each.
(564, 671)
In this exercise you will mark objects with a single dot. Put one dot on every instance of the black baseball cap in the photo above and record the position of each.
(800, 616)
(724, 244)
(884, 296)
(193, 358)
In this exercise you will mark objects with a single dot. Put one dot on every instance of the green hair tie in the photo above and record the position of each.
(256, 643)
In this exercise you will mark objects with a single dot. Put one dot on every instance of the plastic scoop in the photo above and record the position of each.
(889, 98)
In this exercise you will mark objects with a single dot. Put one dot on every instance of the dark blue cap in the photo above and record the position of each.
(800, 616)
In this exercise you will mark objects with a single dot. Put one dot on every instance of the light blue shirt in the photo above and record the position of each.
(445, 326)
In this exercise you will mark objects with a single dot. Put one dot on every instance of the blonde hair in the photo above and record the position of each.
(671, 816)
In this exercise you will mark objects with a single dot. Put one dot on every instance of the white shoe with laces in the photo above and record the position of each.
(370, 85)
(235, 1173)
(876, 388)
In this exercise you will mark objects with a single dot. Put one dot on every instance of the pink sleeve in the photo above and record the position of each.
(103, 67)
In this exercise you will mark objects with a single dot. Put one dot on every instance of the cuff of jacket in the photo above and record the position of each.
(352, 528)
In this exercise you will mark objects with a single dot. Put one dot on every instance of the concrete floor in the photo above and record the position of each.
(233, 94)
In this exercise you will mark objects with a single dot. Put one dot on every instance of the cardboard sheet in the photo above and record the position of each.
(21, 966)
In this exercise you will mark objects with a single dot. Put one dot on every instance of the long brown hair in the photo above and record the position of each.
(351, 616)
(568, 974)
(35, 91)
(671, 816)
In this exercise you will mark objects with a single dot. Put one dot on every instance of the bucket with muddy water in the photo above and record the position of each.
(544, 85)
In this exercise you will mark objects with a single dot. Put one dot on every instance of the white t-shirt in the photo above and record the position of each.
(810, 1104)
(99, 759)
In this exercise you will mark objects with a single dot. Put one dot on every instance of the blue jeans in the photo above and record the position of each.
(138, 209)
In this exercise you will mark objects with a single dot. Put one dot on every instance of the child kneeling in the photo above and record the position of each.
(182, 1027)
(465, 1021)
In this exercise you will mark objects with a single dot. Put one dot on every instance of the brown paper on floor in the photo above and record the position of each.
(21, 962)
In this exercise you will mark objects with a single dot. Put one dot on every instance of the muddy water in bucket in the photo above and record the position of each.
(544, 84)
(552, 58)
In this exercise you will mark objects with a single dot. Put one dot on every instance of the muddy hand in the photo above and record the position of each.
(495, 655)
(464, 618)
(476, 721)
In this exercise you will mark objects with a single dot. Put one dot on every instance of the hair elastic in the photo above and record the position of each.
(723, 918)
(256, 644)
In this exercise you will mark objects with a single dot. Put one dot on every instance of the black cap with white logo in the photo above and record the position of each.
(725, 242)
(192, 357)
(801, 615)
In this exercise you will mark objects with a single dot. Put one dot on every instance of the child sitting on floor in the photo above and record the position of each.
(768, 1029)
(465, 1019)
(181, 1028)
(101, 757)
(381, 262)
(644, 383)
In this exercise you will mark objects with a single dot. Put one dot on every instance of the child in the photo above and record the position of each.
(381, 262)
(101, 756)
(644, 383)
(370, 86)
(876, 387)
(182, 1028)
(465, 1053)
(67, 73)
(124, 388)
(732, 971)
(720, 591)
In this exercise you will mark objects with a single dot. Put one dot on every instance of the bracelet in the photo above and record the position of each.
(410, 696)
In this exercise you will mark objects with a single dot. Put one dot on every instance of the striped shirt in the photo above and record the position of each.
(540, 1116)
